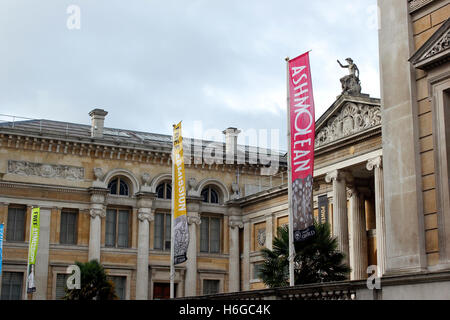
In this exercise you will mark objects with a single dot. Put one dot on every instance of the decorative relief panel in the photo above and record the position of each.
(442, 45)
(261, 237)
(353, 118)
(45, 170)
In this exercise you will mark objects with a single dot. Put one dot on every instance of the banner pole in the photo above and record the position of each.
(291, 223)
(172, 220)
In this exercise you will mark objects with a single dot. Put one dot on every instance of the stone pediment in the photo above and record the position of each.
(348, 117)
(435, 51)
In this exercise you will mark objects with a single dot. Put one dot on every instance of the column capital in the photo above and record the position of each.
(338, 175)
(194, 219)
(145, 214)
(96, 212)
(236, 223)
(374, 163)
(352, 191)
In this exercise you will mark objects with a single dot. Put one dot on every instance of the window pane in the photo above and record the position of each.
(204, 195)
(119, 286)
(12, 285)
(204, 234)
(214, 196)
(68, 227)
(167, 232)
(168, 191)
(215, 235)
(16, 224)
(160, 191)
(61, 284)
(123, 188)
(123, 229)
(112, 186)
(159, 231)
(257, 270)
(211, 286)
(110, 235)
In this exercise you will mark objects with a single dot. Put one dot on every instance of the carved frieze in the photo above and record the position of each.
(27, 168)
(353, 118)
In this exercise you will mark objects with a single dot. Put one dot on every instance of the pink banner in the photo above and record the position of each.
(302, 132)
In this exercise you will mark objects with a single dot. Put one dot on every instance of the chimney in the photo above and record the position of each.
(97, 121)
(231, 135)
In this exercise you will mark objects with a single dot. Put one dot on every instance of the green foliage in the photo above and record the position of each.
(316, 259)
(94, 283)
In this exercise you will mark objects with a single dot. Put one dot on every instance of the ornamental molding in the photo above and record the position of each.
(351, 119)
(441, 45)
(374, 163)
(435, 51)
(194, 220)
(145, 214)
(261, 237)
(96, 212)
(45, 170)
(414, 5)
(236, 224)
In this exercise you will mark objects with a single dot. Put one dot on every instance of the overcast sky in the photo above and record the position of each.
(153, 63)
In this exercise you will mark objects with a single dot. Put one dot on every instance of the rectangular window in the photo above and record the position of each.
(12, 283)
(119, 286)
(61, 285)
(117, 225)
(211, 286)
(68, 228)
(210, 231)
(162, 231)
(257, 270)
(16, 224)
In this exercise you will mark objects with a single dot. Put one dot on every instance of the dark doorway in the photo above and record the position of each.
(161, 290)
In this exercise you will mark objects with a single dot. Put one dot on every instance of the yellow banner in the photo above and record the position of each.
(179, 178)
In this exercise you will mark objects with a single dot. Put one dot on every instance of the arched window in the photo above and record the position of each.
(210, 195)
(118, 186)
(164, 190)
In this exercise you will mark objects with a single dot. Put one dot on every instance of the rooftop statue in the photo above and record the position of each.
(350, 83)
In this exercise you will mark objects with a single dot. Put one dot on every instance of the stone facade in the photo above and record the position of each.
(381, 181)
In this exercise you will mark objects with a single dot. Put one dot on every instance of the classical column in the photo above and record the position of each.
(145, 215)
(41, 272)
(234, 260)
(190, 286)
(97, 211)
(358, 254)
(246, 256)
(376, 165)
(340, 219)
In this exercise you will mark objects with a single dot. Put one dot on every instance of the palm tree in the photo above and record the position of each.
(94, 283)
(316, 259)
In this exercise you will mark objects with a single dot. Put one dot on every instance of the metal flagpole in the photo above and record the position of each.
(291, 222)
(172, 267)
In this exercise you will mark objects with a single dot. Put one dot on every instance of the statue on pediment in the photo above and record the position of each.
(350, 83)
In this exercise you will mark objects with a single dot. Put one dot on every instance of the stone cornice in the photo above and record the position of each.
(57, 188)
(414, 5)
(105, 149)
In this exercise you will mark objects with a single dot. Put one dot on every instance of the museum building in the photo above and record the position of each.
(381, 179)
